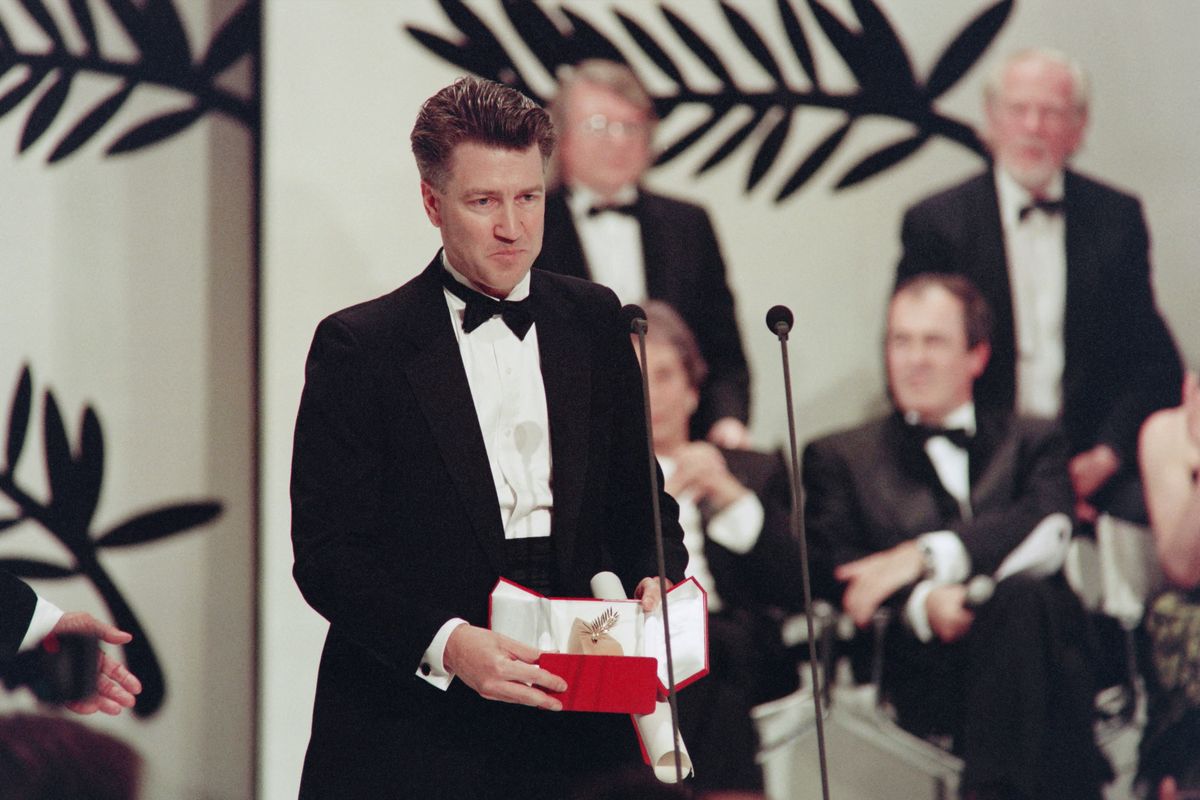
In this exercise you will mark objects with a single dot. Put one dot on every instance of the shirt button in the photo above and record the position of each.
(426, 669)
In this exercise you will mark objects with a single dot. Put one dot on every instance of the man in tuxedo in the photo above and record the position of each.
(481, 421)
(1063, 260)
(603, 225)
(911, 506)
(26, 619)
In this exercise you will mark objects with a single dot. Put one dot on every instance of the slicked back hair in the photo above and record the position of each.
(481, 111)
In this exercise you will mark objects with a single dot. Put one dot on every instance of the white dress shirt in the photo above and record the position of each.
(611, 242)
(505, 377)
(1037, 271)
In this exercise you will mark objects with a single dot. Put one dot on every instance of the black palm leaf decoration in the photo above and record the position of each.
(74, 475)
(886, 83)
(164, 59)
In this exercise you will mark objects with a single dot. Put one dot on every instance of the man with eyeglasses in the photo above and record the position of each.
(1064, 262)
(602, 224)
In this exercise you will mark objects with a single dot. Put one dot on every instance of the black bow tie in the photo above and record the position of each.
(627, 208)
(957, 436)
(481, 308)
(1048, 207)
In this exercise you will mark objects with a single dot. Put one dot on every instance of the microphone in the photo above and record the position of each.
(779, 322)
(635, 317)
(61, 669)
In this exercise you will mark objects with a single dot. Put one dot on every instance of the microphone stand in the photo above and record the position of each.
(779, 322)
(638, 327)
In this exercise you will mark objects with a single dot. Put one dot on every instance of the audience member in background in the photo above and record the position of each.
(1170, 462)
(734, 509)
(1064, 262)
(51, 758)
(913, 505)
(602, 224)
(26, 619)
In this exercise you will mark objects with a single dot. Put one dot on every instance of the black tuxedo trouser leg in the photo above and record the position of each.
(1016, 694)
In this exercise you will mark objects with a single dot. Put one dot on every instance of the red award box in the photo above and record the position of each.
(610, 652)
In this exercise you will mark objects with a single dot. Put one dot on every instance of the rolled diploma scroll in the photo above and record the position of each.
(655, 728)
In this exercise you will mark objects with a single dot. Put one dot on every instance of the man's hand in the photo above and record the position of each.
(729, 432)
(500, 668)
(1091, 469)
(647, 591)
(875, 578)
(115, 685)
(948, 614)
(700, 470)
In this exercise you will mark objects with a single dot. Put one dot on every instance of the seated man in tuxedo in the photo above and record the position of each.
(601, 224)
(26, 619)
(910, 506)
(734, 507)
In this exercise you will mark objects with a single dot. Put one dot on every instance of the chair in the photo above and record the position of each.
(869, 756)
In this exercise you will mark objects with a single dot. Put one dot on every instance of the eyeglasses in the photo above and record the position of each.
(1051, 115)
(600, 125)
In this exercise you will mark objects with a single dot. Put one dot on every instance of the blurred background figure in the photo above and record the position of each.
(1169, 757)
(52, 758)
(1063, 260)
(602, 224)
(734, 509)
(26, 619)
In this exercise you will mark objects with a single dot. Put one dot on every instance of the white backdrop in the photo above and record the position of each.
(343, 222)
(127, 283)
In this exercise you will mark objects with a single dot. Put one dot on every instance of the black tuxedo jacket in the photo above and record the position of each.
(17, 602)
(872, 487)
(1120, 361)
(683, 268)
(396, 528)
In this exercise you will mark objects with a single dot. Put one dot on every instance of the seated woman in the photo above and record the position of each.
(1169, 451)
(734, 507)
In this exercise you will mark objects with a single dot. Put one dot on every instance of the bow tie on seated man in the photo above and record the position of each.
(960, 435)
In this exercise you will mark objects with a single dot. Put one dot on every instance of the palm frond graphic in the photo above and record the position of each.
(886, 84)
(74, 474)
(164, 59)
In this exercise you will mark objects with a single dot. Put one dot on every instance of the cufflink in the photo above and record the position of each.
(426, 669)
(928, 564)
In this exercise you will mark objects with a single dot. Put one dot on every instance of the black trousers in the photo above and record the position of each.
(1016, 694)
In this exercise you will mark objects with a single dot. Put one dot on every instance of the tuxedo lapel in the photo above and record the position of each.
(1081, 255)
(656, 254)
(565, 354)
(561, 243)
(439, 382)
(922, 499)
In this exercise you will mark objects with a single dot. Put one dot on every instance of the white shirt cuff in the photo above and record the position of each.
(737, 526)
(432, 669)
(45, 616)
(951, 564)
(915, 613)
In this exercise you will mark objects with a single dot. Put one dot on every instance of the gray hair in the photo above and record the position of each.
(1080, 85)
